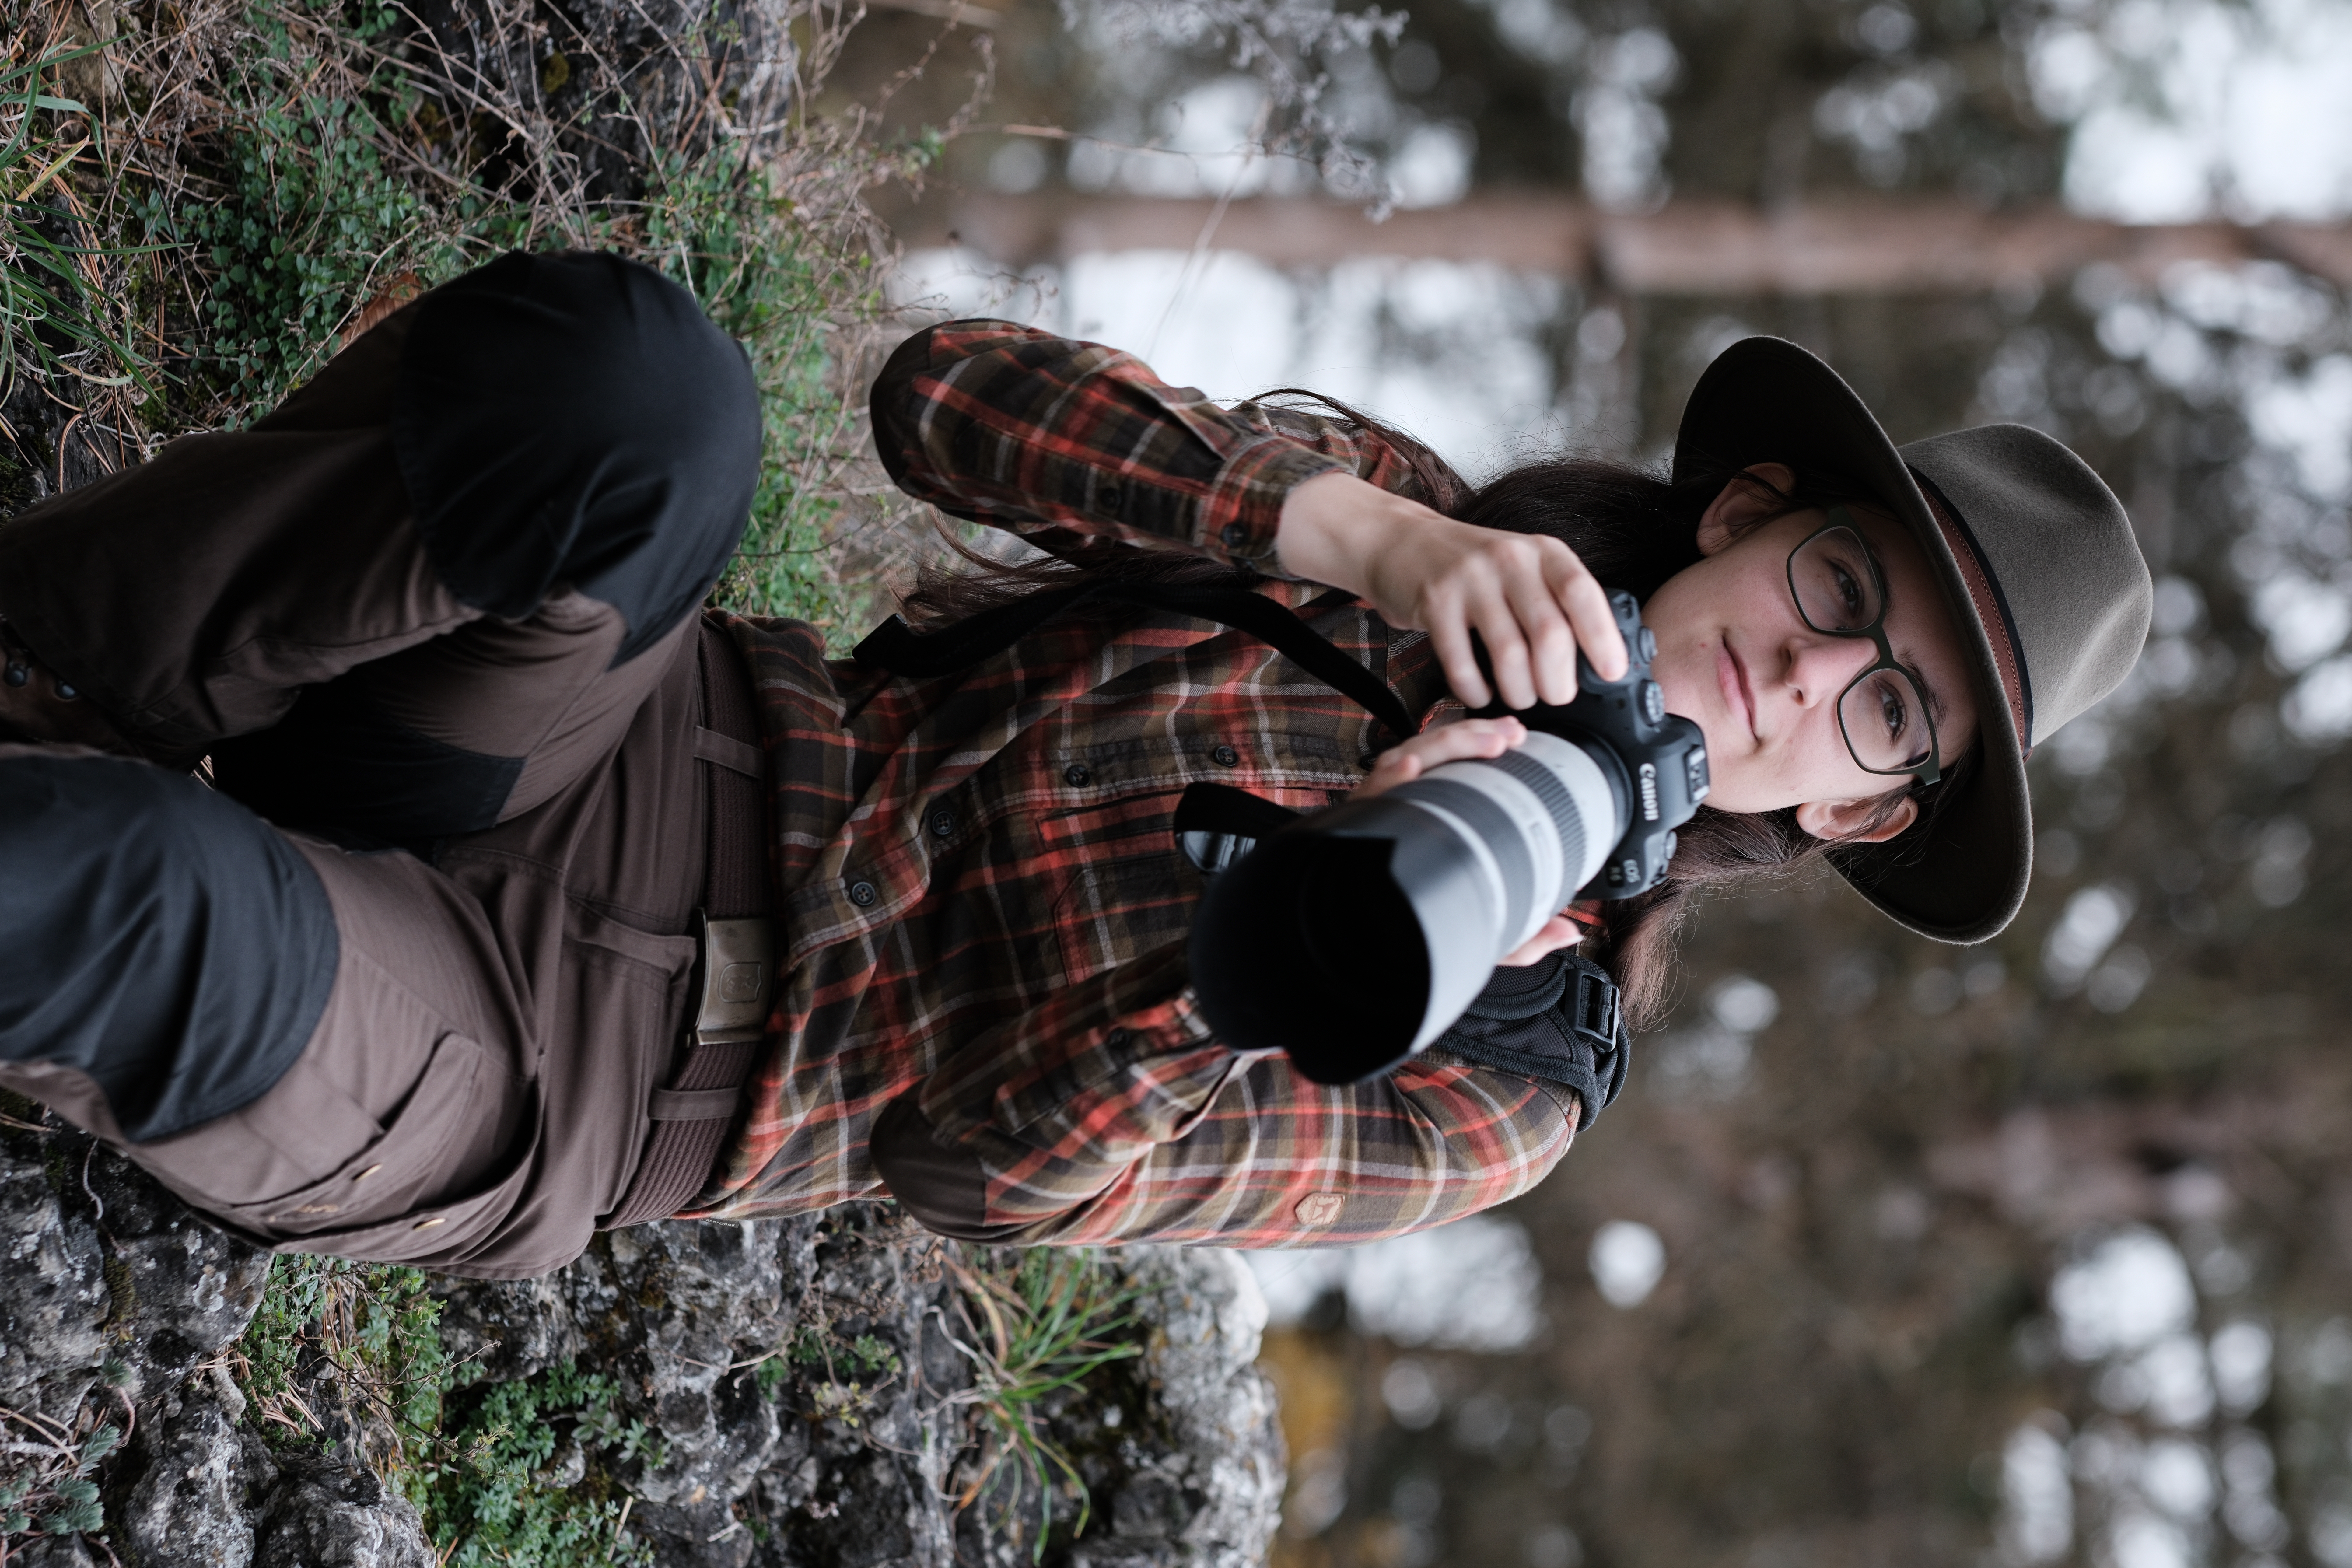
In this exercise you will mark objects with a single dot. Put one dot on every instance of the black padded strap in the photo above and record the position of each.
(901, 649)
(1558, 1020)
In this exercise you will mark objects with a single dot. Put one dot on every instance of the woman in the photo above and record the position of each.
(456, 1003)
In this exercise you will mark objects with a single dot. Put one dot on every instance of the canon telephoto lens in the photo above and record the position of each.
(1357, 936)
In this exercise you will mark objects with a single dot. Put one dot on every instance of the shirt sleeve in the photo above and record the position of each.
(1109, 1114)
(1072, 443)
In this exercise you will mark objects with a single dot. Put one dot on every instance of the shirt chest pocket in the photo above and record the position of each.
(1123, 891)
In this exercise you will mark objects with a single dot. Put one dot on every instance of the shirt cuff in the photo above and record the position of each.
(1243, 510)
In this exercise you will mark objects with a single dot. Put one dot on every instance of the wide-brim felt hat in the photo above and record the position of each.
(2038, 562)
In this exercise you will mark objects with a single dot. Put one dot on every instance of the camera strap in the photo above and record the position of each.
(901, 649)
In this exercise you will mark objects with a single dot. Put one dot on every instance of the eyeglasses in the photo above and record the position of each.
(1884, 712)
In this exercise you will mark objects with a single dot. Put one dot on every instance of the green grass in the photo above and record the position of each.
(1047, 1319)
(53, 310)
(243, 244)
(720, 226)
(306, 199)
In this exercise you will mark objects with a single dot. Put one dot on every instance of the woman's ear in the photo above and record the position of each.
(1741, 503)
(1849, 821)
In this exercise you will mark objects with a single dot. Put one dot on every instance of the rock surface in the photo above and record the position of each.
(803, 1398)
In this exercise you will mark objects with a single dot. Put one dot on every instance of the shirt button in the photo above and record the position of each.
(1234, 535)
(943, 822)
(1116, 1037)
(862, 893)
(1076, 775)
(1107, 498)
(1226, 757)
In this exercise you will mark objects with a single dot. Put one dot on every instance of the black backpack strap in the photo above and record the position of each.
(901, 649)
(1557, 1020)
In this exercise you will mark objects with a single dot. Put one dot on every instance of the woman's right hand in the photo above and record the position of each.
(1457, 743)
(1527, 595)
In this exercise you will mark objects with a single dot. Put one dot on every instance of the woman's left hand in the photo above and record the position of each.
(1458, 742)
(1526, 595)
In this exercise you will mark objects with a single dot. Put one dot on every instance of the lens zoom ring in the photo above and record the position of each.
(1556, 799)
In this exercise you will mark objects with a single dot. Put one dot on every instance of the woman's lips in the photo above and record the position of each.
(1732, 676)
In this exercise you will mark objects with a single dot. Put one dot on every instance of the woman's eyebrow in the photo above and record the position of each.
(1928, 693)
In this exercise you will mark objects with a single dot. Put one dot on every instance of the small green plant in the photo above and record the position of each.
(295, 240)
(48, 1475)
(376, 1326)
(845, 1374)
(819, 1346)
(1052, 1317)
(290, 210)
(514, 1485)
(511, 1481)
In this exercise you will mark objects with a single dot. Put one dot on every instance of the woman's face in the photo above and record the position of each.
(1735, 656)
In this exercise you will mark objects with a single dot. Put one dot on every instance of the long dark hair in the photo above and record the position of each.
(1634, 526)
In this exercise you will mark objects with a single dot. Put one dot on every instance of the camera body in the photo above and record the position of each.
(1656, 762)
(1354, 937)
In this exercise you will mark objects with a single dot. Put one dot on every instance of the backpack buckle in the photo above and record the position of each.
(1595, 1015)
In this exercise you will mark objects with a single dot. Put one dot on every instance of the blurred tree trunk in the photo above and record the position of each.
(1855, 246)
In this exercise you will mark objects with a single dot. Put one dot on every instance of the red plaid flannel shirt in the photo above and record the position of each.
(984, 900)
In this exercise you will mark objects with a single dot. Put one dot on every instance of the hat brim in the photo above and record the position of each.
(1960, 874)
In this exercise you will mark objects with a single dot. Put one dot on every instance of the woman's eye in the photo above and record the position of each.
(1893, 710)
(1849, 590)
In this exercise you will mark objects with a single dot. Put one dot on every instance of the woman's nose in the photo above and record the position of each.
(1821, 666)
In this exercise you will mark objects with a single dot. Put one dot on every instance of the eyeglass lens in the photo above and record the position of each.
(1836, 582)
(1838, 590)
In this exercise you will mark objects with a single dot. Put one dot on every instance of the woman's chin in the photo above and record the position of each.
(1712, 725)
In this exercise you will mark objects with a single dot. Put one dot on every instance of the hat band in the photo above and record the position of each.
(1992, 609)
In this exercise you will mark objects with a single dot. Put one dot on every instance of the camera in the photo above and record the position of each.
(1354, 937)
